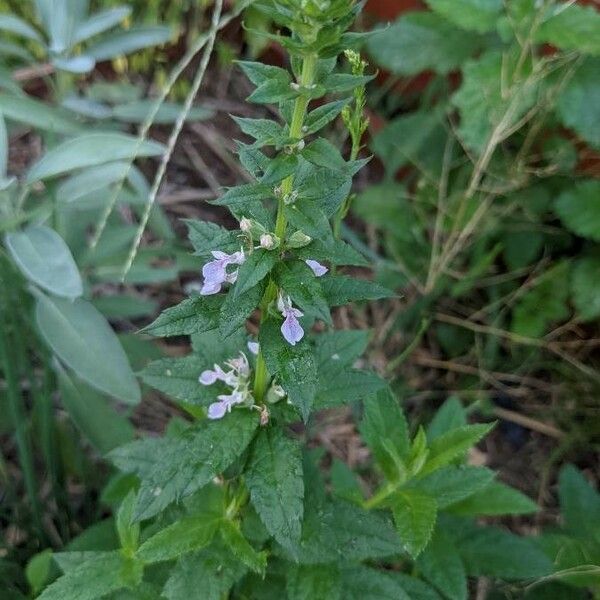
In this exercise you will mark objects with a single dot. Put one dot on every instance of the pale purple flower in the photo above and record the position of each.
(215, 272)
(240, 365)
(317, 268)
(217, 410)
(209, 377)
(254, 347)
(291, 329)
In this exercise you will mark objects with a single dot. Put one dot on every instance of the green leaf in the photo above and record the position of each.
(385, 431)
(38, 570)
(102, 574)
(81, 337)
(343, 386)
(255, 268)
(213, 570)
(314, 582)
(571, 27)
(175, 467)
(415, 514)
(128, 531)
(298, 281)
(103, 426)
(274, 479)
(323, 153)
(247, 201)
(294, 366)
(321, 116)
(585, 287)
(265, 131)
(340, 290)
(495, 499)
(100, 22)
(450, 415)
(82, 185)
(544, 303)
(365, 583)
(440, 563)
(181, 537)
(483, 103)
(450, 485)
(579, 503)
(345, 485)
(273, 83)
(14, 24)
(340, 532)
(89, 150)
(473, 15)
(579, 209)
(241, 548)
(24, 109)
(453, 444)
(492, 552)
(343, 346)
(235, 311)
(578, 105)
(126, 42)
(421, 41)
(124, 306)
(194, 315)
(206, 237)
(44, 258)
(167, 114)
(279, 168)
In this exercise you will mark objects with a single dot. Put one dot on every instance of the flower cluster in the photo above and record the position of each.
(215, 272)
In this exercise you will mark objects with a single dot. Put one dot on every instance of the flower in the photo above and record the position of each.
(317, 268)
(217, 410)
(291, 329)
(253, 347)
(215, 272)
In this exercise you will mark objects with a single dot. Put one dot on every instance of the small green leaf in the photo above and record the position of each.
(579, 209)
(585, 287)
(255, 268)
(321, 116)
(194, 315)
(415, 514)
(579, 503)
(340, 290)
(366, 583)
(235, 310)
(451, 415)
(206, 237)
(264, 131)
(495, 499)
(314, 582)
(241, 548)
(126, 42)
(129, 532)
(274, 479)
(38, 570)
(473, 15)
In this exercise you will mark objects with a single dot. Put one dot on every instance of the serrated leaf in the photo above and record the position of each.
(194, 315)
(279, 168)
(82, 338)
(241, 548)
(314, 582)
(495, 499)
(415, 514)
(206, 237)
(294, 367)
(321, 116)
(385, 431)
(453, 444)
(274, 478)
(235, 311)
(440, 563)
(342, 347)
(421, 41)
(272, 83)
(365, 583)
(579, 209)
(255, 268)
(473, 15)
(181, 537)
(323, 153)
(89, 150)
(341, 289)
(185, 463)
(450, 415)
(265, 131)
(44, 258)
(345, 386)
(579, 502)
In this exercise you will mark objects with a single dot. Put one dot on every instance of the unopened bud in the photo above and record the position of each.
(268, 241)
(275, 394)
(290, 198)
(252, 227)
(298, 239)
(245, 225)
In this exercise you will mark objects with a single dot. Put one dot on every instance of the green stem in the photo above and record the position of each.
(261, 377)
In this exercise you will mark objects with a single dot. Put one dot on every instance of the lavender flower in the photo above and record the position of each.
(215, 272)
(217, 410)
(317, 268)
(291, 329)
(254, 347)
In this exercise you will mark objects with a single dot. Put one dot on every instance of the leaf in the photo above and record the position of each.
(103, 574)
(254, 269)
(385, 431)
(421, 41)
(474, 15)
(579, 503)
(103, 426)
(543, 304)
(323, 153)
(81, 185)
(451, 485)
(294, 366)
(340, 532)
(344, 386)
(89, 150)
(274, 479)
(194, 315)
(181, 537)
(579, 209)
(451, 415)
(345, 485)
(585, 287)
(314, 582)
(484, 105)
(100, 22)
(440, 563)
(24, 109)
(569, 26)
(578, 104)
(14, 24)
(495, 499)
(343, 346)
(365, 583)
(491, 552)
(241, 548)
(235, 311)
(273, 84)
(321, 116)
(182, 464)
(128, 531)
(123, 306)
(206, 237)
(340, 290)
(213, 570)
(80, 336)
(453, 444)
(265, 131)
(44, 258)
(126, 42)
(415, 514)
(167, 113)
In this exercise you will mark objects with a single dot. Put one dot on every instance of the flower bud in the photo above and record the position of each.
(275, 394)
(251, 227)
(268, 241)
(298, 239)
